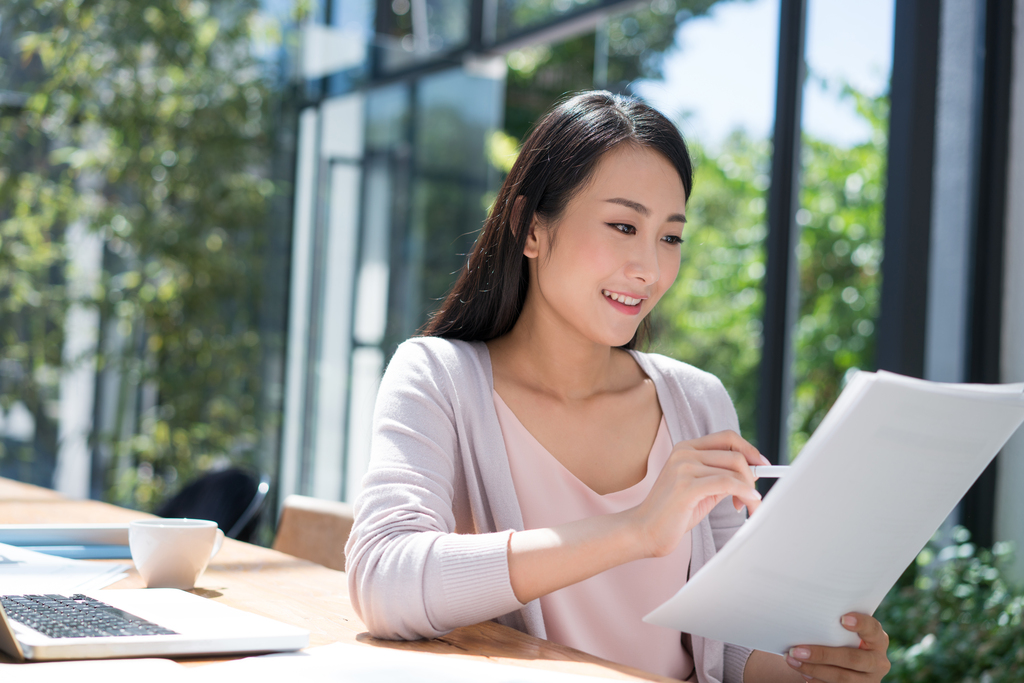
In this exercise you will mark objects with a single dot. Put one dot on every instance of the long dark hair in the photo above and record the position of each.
(557, 159)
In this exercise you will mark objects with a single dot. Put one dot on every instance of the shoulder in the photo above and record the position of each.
(436, 367)
(435, 354)
(692, 380)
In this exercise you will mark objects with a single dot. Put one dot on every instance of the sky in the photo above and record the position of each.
(721, 74)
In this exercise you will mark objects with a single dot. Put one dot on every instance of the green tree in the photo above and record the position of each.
(843, 203)
(151, 121)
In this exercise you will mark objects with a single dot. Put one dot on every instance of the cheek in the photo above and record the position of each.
(669, 269)
(587, 259)
(670, 264)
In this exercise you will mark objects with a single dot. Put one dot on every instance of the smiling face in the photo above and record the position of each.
(607, 260)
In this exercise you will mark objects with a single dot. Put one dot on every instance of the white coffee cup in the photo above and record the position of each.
(172, 553)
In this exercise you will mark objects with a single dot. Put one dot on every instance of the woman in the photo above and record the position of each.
(528, 465)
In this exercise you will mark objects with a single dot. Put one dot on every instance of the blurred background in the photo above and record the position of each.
(218, 220)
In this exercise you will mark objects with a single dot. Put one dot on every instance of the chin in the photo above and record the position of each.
(619, 339)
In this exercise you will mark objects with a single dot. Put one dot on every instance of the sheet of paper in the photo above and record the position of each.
(369, 664)
(24, 571)
(881, 473)
(109, 670)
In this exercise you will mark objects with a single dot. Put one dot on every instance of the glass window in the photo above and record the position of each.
(455, 115)
(336, 45)
(413, 31)
(515, 16)
(842, 202)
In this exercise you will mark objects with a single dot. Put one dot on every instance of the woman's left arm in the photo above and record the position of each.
(865, 664)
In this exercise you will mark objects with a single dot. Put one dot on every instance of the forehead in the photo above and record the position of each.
(639, 174)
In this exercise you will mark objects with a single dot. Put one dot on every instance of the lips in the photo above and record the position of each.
(623, 303)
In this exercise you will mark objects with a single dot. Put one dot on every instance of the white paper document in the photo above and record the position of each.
(24, 571)
(881, 473)
(370, 664)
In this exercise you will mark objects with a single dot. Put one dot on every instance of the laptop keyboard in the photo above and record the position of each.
(79, 616)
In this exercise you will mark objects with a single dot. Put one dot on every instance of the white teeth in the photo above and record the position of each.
(621, 298)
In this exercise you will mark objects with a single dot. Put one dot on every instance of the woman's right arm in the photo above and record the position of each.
(698, 475)
(410, 575)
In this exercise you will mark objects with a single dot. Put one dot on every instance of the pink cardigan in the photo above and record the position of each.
(428, 551)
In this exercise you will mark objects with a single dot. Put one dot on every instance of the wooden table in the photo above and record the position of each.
(298, 592)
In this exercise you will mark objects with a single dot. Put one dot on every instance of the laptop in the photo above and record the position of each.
(151, 622)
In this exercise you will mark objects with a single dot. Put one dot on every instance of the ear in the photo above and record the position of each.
(532, 247)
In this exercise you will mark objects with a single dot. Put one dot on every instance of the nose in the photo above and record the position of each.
(643, 264)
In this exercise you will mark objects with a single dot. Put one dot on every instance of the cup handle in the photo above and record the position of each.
(217, 544)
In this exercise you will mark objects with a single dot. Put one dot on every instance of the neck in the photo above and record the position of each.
(539, 354)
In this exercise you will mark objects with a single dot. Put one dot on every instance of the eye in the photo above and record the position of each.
(673, 239)
(624, 228)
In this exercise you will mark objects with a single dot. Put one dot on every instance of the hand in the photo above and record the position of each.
(865, 664)
(697, 476)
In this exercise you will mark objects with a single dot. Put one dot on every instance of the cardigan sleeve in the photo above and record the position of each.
(410, 574)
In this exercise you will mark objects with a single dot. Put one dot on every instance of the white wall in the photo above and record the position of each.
(1009, 517)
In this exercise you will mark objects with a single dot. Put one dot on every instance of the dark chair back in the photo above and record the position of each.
(233, 498)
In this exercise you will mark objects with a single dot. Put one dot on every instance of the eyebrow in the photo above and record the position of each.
(643, 210)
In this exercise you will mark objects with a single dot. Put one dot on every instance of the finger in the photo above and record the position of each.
(726, 460)
(846, 658)
(722, 466)
(738, 505)
(711, 482)
(729, 440)
(872, 636)
(826, 673)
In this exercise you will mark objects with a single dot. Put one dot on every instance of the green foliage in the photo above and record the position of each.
(955, 617)
(155, 119)
(840, 250)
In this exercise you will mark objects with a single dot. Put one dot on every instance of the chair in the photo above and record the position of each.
(233, 498)
(315, 530)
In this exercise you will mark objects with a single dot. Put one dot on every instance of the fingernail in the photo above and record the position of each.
(799, 652)
(807, 678)
(755, 494)
(793, 663)
(764, 460)
(849, 620)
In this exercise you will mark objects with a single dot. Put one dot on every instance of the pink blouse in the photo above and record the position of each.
(602, 615)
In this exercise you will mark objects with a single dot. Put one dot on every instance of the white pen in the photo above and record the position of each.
(769, 471)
